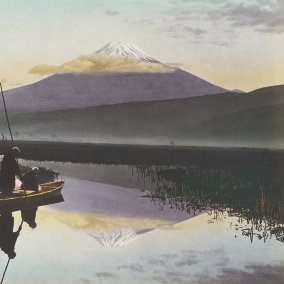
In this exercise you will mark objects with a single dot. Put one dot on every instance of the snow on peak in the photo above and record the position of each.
(129, 50)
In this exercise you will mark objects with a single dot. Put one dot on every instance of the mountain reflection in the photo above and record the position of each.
(254, 197)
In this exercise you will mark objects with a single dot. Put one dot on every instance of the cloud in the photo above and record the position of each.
(211, 42)
(180, 31)
(195, 31)
(105, 275)
(175, 64)
(255, 273)
(145, 22)
(93, 64)
(181, 24)
(263, 16)
(43, 69)
(93, 223)
(187, 262)
(133, 267)
(111, 12)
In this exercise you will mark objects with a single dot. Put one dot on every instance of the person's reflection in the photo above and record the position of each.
(29, 216)
(30, 182)
(8, 237)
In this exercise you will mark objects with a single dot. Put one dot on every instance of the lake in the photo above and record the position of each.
(193, 222)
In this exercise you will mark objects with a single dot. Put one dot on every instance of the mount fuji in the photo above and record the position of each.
(128, 50)
(81, 89)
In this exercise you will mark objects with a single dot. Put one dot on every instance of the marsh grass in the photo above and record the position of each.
(253, 199)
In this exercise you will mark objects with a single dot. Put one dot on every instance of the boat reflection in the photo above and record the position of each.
(28, 208)
(254, 199)
(8, 237)
(29, 216)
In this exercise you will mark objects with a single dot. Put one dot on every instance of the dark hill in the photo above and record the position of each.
(249, 120)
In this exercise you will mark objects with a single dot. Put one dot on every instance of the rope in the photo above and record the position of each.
(6, 113)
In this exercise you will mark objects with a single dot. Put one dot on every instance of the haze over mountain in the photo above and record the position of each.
(255, 120)
(114, 74)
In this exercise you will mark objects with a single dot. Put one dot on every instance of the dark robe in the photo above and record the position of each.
(9, 169)
(29, 181)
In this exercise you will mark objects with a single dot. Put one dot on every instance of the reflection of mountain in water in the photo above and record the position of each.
(253, 195)
(115, 238)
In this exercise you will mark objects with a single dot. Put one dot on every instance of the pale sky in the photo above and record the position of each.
(236, 44)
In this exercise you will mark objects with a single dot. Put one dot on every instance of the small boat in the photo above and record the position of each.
(23, 199)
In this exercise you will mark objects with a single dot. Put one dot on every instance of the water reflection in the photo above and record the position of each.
(135, 207)
(29, 216)
(8, 237)
(255, 197)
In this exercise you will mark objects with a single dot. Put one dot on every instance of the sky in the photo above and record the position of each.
(236, 44)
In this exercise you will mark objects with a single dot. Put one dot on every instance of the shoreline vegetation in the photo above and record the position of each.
(145, 154)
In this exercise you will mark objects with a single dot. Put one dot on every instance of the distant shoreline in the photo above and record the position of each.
(144, 154)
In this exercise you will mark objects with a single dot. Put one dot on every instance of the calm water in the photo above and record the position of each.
(154, 224)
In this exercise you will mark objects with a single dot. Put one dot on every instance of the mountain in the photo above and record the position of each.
(128, 50)
(238, 91)
(255, 119)
(71, 90)
(80, 90)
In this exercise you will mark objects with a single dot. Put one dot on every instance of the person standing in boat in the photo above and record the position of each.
(29, 182)
(9, 169)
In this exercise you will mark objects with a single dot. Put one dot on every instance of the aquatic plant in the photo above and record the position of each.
(253, 197)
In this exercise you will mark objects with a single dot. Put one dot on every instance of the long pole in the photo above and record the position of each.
(19, 229)
(6, 113)
(8, 122)
(5, 271)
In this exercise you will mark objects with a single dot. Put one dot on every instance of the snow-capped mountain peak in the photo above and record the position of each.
(128, 50)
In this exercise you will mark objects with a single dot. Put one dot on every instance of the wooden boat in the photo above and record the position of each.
(24, 199)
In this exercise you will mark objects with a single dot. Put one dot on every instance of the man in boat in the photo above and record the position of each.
(9, 169)
(29, 182)
(8, 237)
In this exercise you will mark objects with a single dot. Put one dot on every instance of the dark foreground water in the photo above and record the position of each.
(155, 224)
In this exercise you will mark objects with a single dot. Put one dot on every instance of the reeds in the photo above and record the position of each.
(252, 198)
